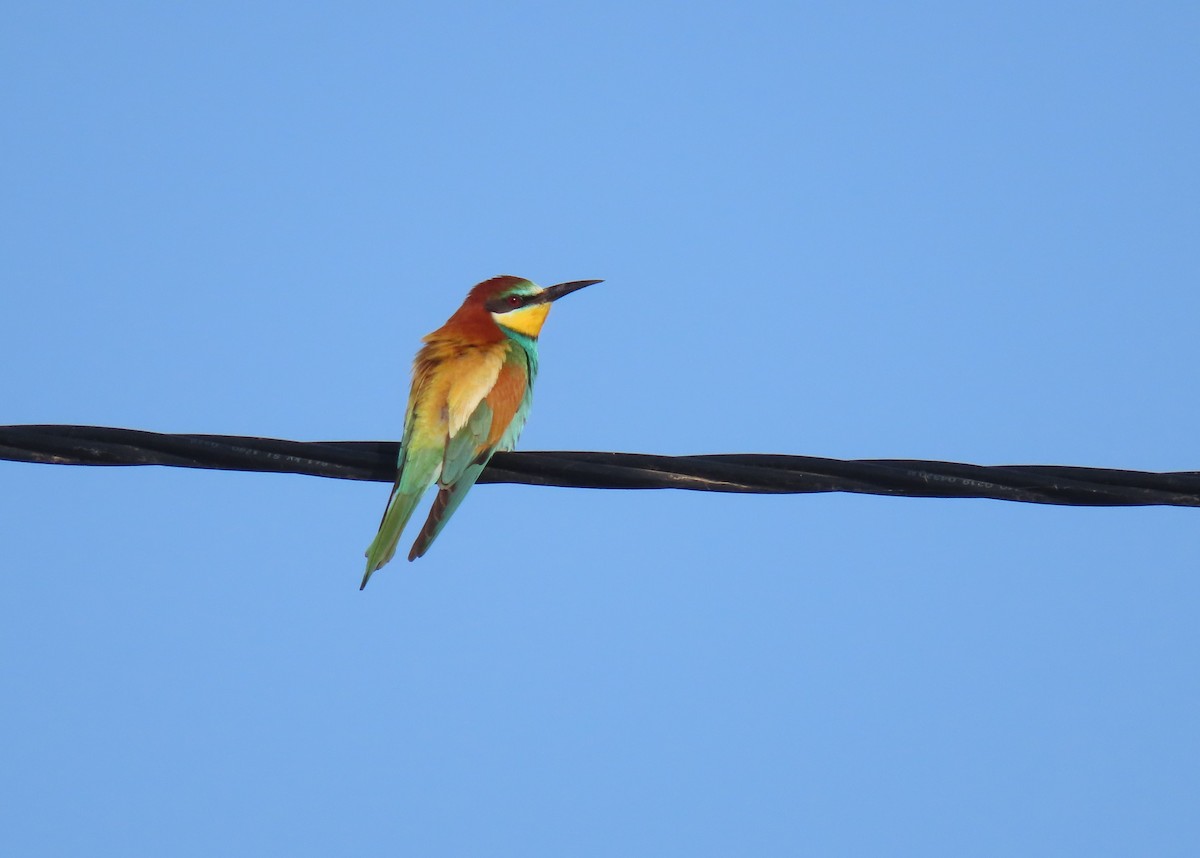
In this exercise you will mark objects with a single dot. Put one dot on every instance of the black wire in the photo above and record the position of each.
(739, 472)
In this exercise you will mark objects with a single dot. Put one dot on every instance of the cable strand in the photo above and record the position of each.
(731, 472)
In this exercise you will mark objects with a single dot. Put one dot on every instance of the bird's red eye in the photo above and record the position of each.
(514, 300)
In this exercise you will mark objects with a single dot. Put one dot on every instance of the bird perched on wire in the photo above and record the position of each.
(471, 391)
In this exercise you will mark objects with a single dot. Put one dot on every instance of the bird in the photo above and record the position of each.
(472, 386)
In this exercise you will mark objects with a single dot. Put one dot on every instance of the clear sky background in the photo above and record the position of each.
(930, 230)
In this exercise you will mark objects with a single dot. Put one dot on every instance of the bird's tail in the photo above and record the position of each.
(399, 510)
(447, 501)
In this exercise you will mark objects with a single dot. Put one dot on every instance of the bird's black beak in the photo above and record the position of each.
(553, 293)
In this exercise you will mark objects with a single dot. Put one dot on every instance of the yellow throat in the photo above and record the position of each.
(527, 320)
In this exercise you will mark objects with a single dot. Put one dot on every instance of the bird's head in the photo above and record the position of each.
(520, 305)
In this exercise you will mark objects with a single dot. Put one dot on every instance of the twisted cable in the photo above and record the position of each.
(729, 472)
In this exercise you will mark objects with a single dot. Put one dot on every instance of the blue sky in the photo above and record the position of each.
(933, 230)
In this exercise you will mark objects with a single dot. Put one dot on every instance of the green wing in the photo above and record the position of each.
(418, 469)
(466, 457)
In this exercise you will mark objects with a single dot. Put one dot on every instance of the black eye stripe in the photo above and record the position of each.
(508, 303)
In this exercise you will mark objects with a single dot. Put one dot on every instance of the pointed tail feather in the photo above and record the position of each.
(419, 468)
(447, 501)
(399, 510)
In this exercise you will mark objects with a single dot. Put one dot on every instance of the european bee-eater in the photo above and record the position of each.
(471, 391)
